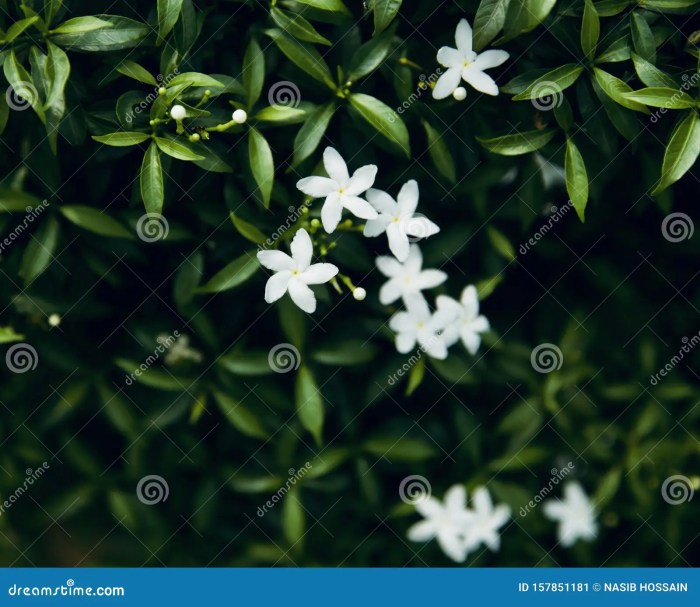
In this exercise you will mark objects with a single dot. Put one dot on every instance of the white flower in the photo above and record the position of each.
(447, 522)
(396, 218)
(406, 278)
(463, 63)
(340, 190)
(417, 324)
(574, 513)
(486, 521)
(295, 273)
(466, 323)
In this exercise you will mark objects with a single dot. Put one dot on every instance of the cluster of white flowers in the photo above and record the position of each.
(460, 530)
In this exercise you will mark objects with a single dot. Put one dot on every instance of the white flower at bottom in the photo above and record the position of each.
(447, 522)
(466, 323)
(486, 521)
(406, 278)
(463, 63)
(418, 325)
(575, 514)
(294, 274)
(396, 218)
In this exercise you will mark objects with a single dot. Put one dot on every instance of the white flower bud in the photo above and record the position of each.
(177, 112)
(239, 116)
(359, 294)
(54, 320)
(460, 93)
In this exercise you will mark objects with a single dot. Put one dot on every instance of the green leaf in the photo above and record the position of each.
(248, 230)
(304, 56)
(651, 75)
(59, 71)
(297, 26)
(335, 6)
(518, 143)
(22, 85)
(310, 135)
(194, 79)
(440, 153)
(642, 37)
(309, 403)
(681, 152)
(501, 243)
(615, 89)
(232, 275)
(293, 322)
(525, 15)
(16, 29)
(240, 416)
(618, 51)
(552, 83)
(383, 118)
(262, 164)
(51, 8)
(345, 353)
(8, 335)
(610, 8)
(669, 98)
(101, 33)
(669, 6)
(489, 20)
(253, 72)
(370, 55)
(246, 363)
(403, 449)
(39, 252)
(12, 200)
(282, 114)
(384, 13)
(293, 518)
(95, 221)
(168, 13)
(135, 71)
(176, 149)
(416, 376)
(122, 139)
(590, 29)
(576, 178)
(81, 25)
(151, 180)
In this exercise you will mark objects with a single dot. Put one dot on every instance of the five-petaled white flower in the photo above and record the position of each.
(574, 513)
(463, 63)
(340, 190)
(417, 324)
(396, 218)
(465, 321)
(486, 521)
(447, 522)
(294, 274)
(408, 278)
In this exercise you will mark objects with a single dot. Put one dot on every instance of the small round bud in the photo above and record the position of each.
(460, 93)
(207, 92)
(239, 116)
(194, 137)
(152, 122)
(177, 112)
(54, 320)
(315, 223)
(359, 294)
(162, 90)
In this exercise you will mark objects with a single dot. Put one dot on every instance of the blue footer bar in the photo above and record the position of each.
(348, 587)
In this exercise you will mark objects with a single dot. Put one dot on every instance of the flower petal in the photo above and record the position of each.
(331, 212)
(481, 500)
(402, 322)
(390, 292)
(276, 286)
(375, 227)
(318, 187)
(489, 59)
(417, 307)
(277, 261)
(408, 198)
(470, 302)
(463, 36)
(481, 81)
(414, 263)
(450, 57)
(302, 295)
(452, 545)
(448, 305)
(429, 507)
(480, 324)
(398, 241)
(302, 249)
(447, 83)
(359, 207)
(422, 531)
(388, 266)
(471, 340)
(361, 180)
(335, 166)
(319, 273)
(381, 201)
(420, 227)
(433, 345)
(428, 279)
(456, 499)
(405, 342)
